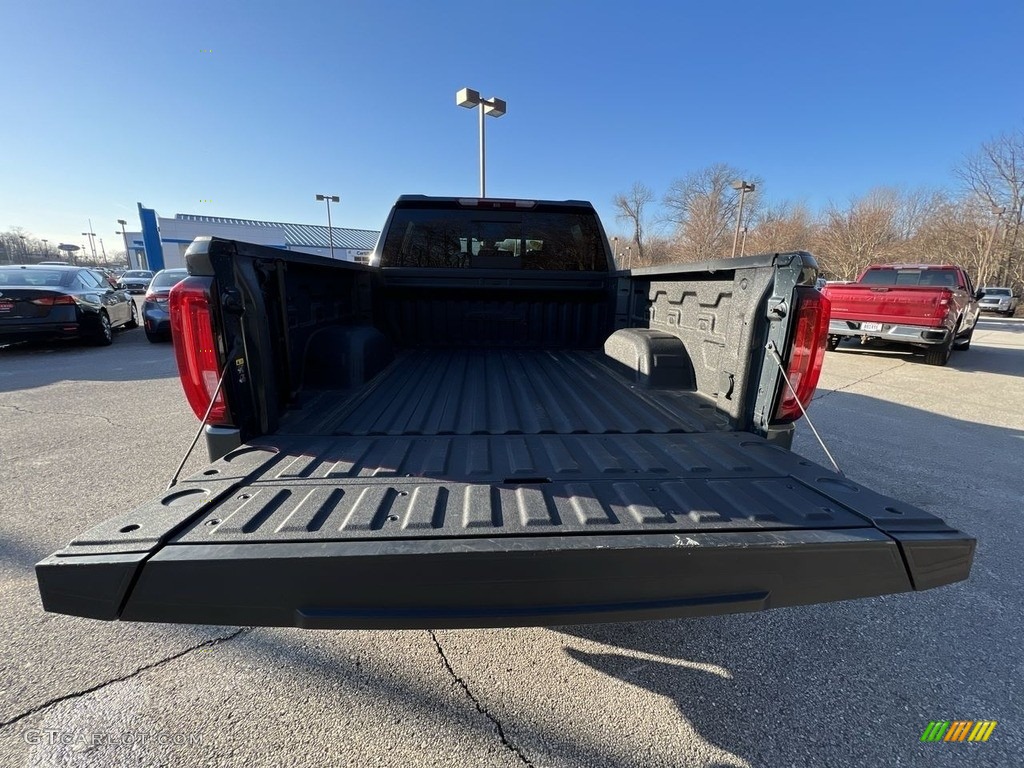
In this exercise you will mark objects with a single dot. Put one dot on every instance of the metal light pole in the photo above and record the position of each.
(743, 242)
(330, 230)
(24, 248)
(493, 107)
(124, 236)
(92, 243)
(46, 250)
(103, 251)
(743, 187)
(615, 252)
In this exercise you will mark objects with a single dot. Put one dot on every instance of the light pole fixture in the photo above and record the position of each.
(124, 236)
(46, 250)
(330, 231)
(615, 252)
(743, 187)
(493, 107)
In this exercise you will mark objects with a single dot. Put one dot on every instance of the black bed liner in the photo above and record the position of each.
(495, 392)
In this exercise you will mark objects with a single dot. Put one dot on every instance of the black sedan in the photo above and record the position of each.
(51, 302)
(135, 280)
(155, 316)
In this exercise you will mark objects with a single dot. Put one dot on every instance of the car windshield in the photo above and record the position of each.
(997, 291)
(938, 278)
(168, 278)
(137, 273)
(34, 277)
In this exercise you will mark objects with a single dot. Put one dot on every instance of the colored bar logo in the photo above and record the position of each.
(959, 730)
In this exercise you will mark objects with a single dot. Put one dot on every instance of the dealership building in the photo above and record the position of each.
(162, 242)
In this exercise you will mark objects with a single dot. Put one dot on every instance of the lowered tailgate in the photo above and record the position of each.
(499, 530)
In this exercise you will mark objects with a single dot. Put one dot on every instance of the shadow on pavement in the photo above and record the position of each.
(130, 358)
(981, 357)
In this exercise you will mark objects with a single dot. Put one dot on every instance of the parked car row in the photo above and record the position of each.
(58, 301)
(41, 301)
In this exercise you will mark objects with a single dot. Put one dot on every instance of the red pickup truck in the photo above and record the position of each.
(929, 307)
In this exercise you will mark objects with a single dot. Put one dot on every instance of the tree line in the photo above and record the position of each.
(19, 246)
(975, 222)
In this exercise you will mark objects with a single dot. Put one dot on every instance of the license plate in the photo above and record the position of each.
(871, 326)
(6, 306)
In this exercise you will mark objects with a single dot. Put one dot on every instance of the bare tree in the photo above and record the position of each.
(782, 227)
(875, 228)
(702, 208)
(995, 177)
(632, 209)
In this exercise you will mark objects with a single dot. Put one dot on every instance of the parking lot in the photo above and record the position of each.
(88, 432)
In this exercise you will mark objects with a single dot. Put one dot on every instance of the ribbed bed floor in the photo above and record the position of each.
(501, 392)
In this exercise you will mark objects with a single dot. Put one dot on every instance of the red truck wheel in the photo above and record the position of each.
(939, 355)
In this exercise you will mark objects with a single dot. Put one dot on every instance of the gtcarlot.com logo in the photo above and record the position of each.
(958, 730)
(81, 739)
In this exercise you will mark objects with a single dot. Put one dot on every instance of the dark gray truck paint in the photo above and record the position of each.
(479, 447)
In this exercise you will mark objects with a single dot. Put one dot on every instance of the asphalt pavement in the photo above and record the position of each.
(88, 432)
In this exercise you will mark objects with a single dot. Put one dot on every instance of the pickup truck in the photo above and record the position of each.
(488, 425)
(932, 308)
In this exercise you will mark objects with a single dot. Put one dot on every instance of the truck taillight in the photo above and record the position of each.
(806, 352)
(195, 347)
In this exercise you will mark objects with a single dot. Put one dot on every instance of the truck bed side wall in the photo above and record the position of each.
(719, 318)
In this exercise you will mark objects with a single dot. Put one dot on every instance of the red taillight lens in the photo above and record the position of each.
(158, 298)
(806, 352)
(195, 347)
(50, 301)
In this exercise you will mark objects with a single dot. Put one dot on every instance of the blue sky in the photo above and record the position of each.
(111, 103)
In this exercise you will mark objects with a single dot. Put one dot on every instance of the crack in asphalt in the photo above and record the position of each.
(476, 702)
(858, 381)
(19, 409)
(122, 678)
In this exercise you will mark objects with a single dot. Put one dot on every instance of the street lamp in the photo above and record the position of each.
(494, 107)
(92, 243)
(124, 236)
(330, 231)
(743, 187)
(46, 251)
(743, 242)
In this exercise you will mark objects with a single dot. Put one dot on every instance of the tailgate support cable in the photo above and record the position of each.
(213, 398)
(770, 346)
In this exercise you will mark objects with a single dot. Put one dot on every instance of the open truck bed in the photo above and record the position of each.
(558, 494)
(456, 438)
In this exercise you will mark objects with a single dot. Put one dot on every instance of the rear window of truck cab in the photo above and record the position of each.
(935, 278)
(475, 239)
